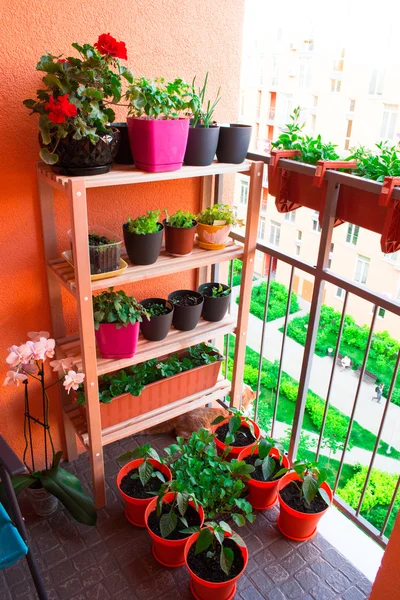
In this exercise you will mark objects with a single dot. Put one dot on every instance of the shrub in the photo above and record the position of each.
(290, 390)
(379, 491)
(278, 297)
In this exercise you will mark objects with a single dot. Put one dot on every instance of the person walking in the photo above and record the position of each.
(379, 392)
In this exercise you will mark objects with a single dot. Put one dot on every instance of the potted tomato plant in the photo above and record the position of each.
(179, 233)
(116, 321)
(158, 122)
(188, 306)
(74, 107)
(203, 133)
(167, 517)
(216, 557)
(214, 225)
(304, 497)
(217, 297)
(235, 433)
(268, 458)
(160, 319)
(143, 238)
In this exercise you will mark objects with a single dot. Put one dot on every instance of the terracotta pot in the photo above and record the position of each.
(158, 327)
(117, 343)
(179, 241)
(294, 524)
(235, 450)
(214, 309)
(169, 553)
(263, 494)
(214, 236)
(158, 394)
(135, 508)
(143, 249)
(208, 590)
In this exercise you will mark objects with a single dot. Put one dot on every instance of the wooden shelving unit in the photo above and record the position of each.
(78, 283)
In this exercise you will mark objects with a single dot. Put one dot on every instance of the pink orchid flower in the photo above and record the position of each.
(43, 349)
(64, 364)
(36, 335)
(27, 352)
(30, 368)
(13, 378)
(14, 357)
(73, 380)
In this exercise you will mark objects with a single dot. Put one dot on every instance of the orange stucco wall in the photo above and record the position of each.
(164, 37)
(387, 582)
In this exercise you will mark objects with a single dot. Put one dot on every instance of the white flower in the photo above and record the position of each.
(36, 335)
(159, 366)
(64, 364)
(13, 378)
(73, 380)
(14, 357)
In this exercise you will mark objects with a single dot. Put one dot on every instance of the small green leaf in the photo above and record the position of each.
(204, 540)
(218, 420)
(239, 519)
(168, 524)
(47, 157)
(325, 496)
(226, 559)
(310, 488)
(145, 471)
(268, 467)
(182, 499)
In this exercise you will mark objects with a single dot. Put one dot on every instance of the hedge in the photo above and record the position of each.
(379, 491)
(277, 301)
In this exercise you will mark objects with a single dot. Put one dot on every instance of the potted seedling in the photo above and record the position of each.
(188, 305)
(304, 497)
(216, 557)
(116, 321)
(217, 297)
(74, 107)
(214, 225)
(233, 143)
(167, 518)
(268, 458)
(143, 238)
(104, 250)
(139, 480)
(161, 312)
(203, 133)
(235, 433)
(179, 233)
(158, 122)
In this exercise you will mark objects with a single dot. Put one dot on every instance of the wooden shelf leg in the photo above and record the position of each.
(253, 212)
(79, 220)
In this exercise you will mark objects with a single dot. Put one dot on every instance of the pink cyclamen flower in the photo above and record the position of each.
(73, 380)
(64, 364)
(14, 378)
(36, 335)
(43, 349)
(14, 357)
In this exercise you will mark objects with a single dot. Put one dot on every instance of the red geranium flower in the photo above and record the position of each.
(60, 108)
(106, 44)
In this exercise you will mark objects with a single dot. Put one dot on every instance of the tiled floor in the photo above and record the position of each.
(114, 560)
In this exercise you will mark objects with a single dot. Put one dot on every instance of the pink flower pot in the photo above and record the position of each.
(117, 343)
(158, 144)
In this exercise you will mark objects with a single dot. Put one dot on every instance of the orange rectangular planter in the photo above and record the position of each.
(157, 394)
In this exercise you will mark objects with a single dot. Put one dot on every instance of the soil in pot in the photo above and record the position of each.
(291, 495)
(186, 300)
(208, 567)
(188, 305)
(161, 311)
(257, 473)
(191, 515)
(243, 436)
(135, 489)
(104, 250)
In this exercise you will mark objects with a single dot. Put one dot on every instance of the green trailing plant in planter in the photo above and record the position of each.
(179, 233)
(143, 238)
(378, 164)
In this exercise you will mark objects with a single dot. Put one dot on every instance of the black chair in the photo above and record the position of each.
(13, 537)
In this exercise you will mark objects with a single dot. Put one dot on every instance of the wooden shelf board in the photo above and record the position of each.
(165, 265)
(175, 340)
(147, 420)
(126, 175)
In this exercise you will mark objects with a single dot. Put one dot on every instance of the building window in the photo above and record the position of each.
(336, 85)
(352, 234)
(259, 255)
(362, 267)
(299, 235)
(381, 313)
(391, 257)
(348, 134)
(305, 73)
(338, 64)
(330, 256)
(261, 229)
(290, 217)
(352, 105)
(297, 250)
(285, 108)
(389, 119)
(313, 122)
(376, 82)
(275, 71)
(315, 222)
(274, 233)
(264, 205)
(244, 192)
(258, 110)
(265, 176)
(340, 293)
(315, 101)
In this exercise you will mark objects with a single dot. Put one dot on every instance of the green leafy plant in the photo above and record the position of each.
(180, 219)
(156, 309)
(217, 291)
(99, 240)
(312, 478)
(311, 149)
(204, 112)
(146, 470)
(219, 214)
(156, 98)
(378, 164)
(118, 308)
(78, 92)
(234, 424)
(264, 460)
(211, 540)
(178, 507)
(147, 223)
(217, 484)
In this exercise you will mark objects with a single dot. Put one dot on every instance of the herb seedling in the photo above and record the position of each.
(219, 214)
(264, 460)
(118, 308)
(312, 478)
(203, 113)
(178, 507)
(145, 224)
(180, 219)
(98, 240)
(156, 309)
(384, 162)
(156, 98)
(218, 291)
(234, 424)
(146, 470)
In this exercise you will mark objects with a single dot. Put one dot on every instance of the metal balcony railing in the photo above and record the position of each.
(321, 274)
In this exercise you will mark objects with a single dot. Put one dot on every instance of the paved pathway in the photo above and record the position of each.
(368, 413)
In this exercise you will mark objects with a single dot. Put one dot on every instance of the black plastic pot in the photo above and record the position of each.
(157, 328)
(124, 154)
(81, 157)
(186, 318)
(143, 249)
(233, 143)
(214, 309)
(201, 146)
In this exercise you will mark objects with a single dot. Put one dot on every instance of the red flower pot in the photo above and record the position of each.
(235, 450)
(158, 144)
(263, 494)
(117, 343)
(292, 523)
(169, 553)
(135, 507)
(209, 590)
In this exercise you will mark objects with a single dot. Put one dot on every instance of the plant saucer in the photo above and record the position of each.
(122, 267)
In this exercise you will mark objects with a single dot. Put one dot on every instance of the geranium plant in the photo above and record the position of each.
(219, 214)
(118, 308)
(158, 99)
(78, 93)
(25, 362)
